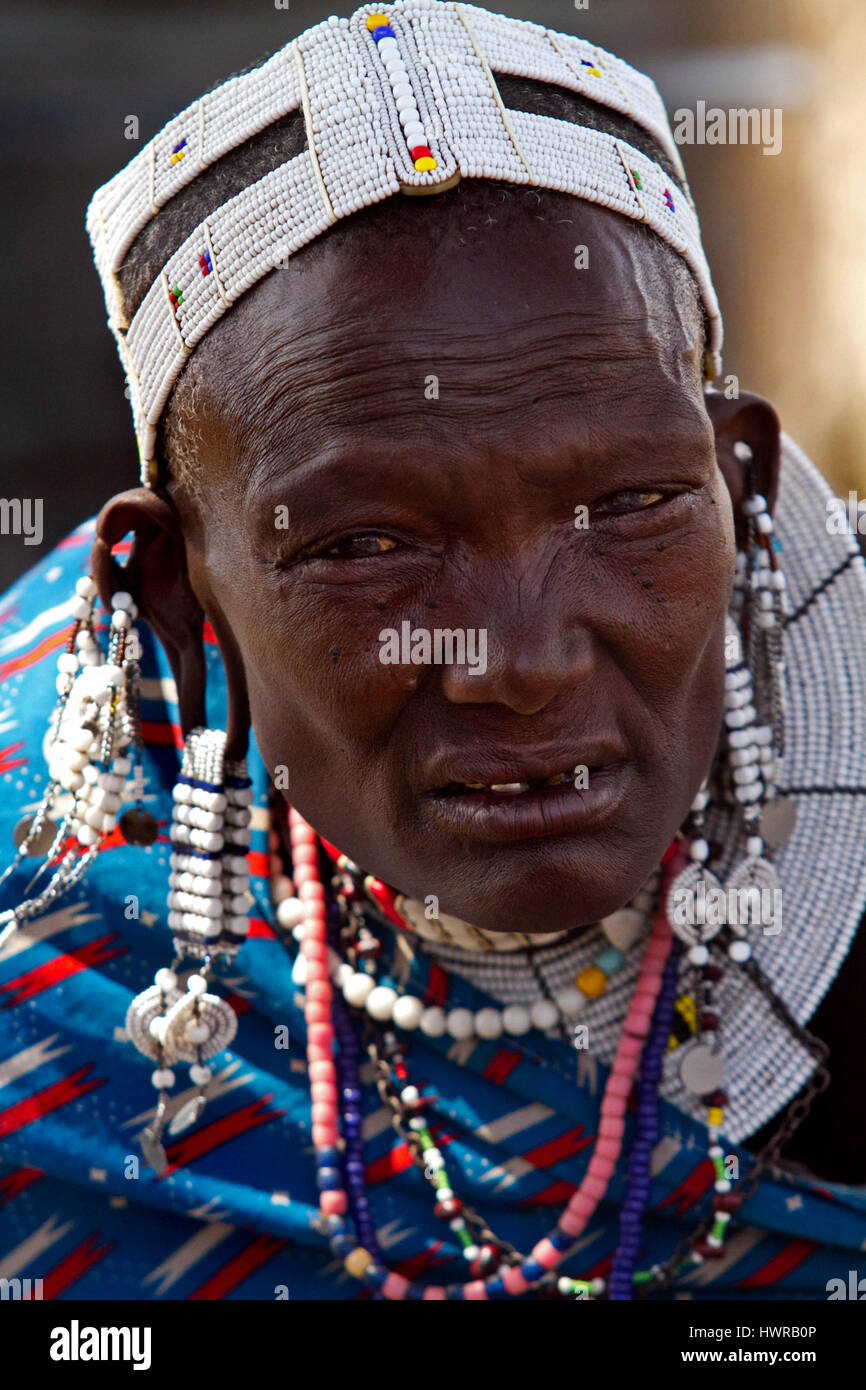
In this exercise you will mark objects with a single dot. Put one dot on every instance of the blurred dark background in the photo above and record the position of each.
(784, 234)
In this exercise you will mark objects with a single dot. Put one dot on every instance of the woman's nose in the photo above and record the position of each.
(534, 650)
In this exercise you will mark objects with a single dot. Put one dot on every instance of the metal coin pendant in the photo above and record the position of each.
(702, 1070)
(777, 821)
(43, 841)
(138, 827)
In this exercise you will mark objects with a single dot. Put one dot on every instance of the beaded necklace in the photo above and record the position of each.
(631, 1215)
(497, 1269)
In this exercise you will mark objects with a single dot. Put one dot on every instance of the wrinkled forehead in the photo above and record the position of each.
(495, 316)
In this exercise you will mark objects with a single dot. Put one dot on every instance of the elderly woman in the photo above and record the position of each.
(548, 845)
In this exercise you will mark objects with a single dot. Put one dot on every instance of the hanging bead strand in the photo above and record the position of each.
(333, 1198)
(637, 1196)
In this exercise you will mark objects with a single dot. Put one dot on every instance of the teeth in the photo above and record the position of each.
(514, 788)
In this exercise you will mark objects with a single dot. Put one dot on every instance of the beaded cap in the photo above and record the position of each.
(394, 100)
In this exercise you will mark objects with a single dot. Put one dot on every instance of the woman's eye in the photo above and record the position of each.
(624, 502)
(358, 547)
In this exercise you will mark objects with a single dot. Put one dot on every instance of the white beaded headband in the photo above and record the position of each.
(394, 99)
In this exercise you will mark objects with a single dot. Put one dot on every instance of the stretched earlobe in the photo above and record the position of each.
(238, 720)
(748, 421)
(156, 575)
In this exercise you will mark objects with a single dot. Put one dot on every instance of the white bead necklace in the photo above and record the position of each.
(386, 1004)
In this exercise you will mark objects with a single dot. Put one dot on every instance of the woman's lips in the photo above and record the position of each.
(503, 817)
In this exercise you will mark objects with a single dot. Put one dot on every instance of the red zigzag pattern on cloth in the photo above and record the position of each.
(75, 1264)
(238, 1268)
(59, 1093)
(60, 967)
(219, 1132)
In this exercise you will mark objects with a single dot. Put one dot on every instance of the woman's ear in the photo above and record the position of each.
(156, 576)
(751, 421)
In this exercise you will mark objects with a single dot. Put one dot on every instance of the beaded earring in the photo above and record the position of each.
(755, 680)
(755, 689)
(748, 747)
(209, 903)
(92, 745)
(752, 762)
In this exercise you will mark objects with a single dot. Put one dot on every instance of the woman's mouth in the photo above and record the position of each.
(564, 803)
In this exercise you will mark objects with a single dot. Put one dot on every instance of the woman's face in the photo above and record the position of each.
(467, 431)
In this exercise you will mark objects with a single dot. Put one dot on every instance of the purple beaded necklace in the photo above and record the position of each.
(621, 1284)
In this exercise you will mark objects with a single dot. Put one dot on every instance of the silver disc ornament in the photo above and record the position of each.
(701, 1069)
(778, 818)
(41, 842)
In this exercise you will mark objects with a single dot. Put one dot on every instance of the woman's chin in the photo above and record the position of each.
(516, 913)
(561, 892)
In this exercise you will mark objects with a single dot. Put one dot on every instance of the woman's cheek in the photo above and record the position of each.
(312, 667)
